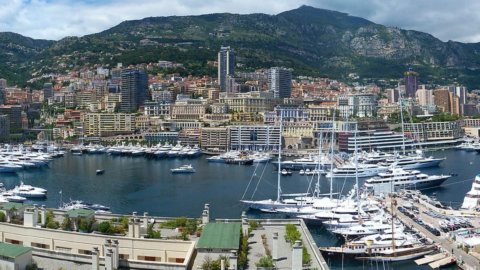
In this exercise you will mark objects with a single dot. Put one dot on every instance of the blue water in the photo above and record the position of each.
(146, 185)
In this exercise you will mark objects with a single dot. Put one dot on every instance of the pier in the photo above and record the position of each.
(464, 260)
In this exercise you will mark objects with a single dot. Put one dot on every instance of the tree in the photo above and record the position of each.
(66, 223)
(3, 217)
(105, 227)
(266, 261)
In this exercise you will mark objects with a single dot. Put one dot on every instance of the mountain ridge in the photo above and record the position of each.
(310, 40)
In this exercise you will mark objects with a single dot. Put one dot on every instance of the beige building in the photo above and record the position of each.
(108, 124)
(186, 111)
(251, 102)
(425, 97)
(83, 99)
(84, 249)
(214, 138)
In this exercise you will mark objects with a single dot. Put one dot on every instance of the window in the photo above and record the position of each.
(39, 245)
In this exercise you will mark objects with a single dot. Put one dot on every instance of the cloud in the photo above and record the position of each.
(55, 19)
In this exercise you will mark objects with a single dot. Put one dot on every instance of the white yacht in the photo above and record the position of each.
(310, 162)
(397, 177)
(9, 167)
(11, 197)
(29, 191)
(472, 198)
(350, 170)
(194, 152)
(183, 169)
(175, 150)
(415, 161)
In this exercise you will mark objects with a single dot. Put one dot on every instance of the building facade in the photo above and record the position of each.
(254, 137)
(280, 82)
(226, 66)
(434, 131)
(134, 88)
(411, 83)
(108, 124)
(214, 138)
(14, 113)
(4, 127)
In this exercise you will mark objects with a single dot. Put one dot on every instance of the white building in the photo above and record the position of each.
(359, 105)
(254, 137)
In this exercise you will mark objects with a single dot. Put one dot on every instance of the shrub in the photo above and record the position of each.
(292, 234)
(3, 217)
(66, 223)
(151, 233)
(306, 258)
(266, 261)
(53, 225)
(105, 227)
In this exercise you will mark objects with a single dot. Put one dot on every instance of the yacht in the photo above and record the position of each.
(374, 244)
(9, 167)
(366, 228)
(194, 152)
(364, 170)
(216, 159)
(10, 197)
(416, 161)
(183, 169)
(261, 157)
(472, 198)
(310, 162)
(76, 151)
(399, 178)
(29, 191)
(184, 151)
(175, 150)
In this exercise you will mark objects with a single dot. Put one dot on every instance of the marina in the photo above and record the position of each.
(131, 180)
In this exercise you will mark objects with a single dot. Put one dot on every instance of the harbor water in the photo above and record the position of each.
(147, 185)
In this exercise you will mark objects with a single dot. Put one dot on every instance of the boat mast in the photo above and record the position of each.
(401, 117)
(317, 186)
(279, 188)
(356, 168)
(331, 153)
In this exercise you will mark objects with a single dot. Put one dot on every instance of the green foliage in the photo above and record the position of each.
(266, 261)
(292, 234)
(243, 254)
(85, 225)
(3, 217)
(32, 266)
(67, 224)
(445, 117)
(209, 264)
(105, 227)
(151, 233)
(53, 224)
(306, 258)
(188, 225)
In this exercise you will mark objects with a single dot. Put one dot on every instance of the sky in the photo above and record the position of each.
(456, 20)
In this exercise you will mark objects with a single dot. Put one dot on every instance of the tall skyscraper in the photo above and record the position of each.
(460, 92)
(280, 82)
(411, 83)
(392, 95)
(425, 97)
(134, 89)
(226, 66)
(47, 91)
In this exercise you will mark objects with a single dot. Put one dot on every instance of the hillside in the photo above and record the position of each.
(310, 40)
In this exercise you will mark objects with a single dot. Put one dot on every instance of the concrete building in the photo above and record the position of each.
(251, 102)
(4, 127)
(108, 124)
(357, 105)
(189, 136)
(280, 82)
(14, 113)
(434, 131)
(47, 91)
(15, 257)
(153, 108)
(455, 106)
(392, 95)
(165, 96)
(83, 99)
(134, 89)
(425, 97)
(226, 66)
(214, 138)
(442, 99)
(254, 137)
(411, 83)
(3, 86)
(187, 111)
(460, 92)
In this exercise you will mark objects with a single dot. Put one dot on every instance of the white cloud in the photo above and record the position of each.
(55, 19)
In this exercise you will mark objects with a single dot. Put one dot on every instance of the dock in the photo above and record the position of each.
(465, 260)
(445, 261)
(430, 258)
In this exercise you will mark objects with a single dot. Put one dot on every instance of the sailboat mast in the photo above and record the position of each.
(356, 168)
(331, 153)
(317, 187)
(279, 188)
(401, 118)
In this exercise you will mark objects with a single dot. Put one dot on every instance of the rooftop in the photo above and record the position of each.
(12, 251)
(220, 236)
(75, 213)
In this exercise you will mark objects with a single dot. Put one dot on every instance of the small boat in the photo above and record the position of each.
(183, 169)
(286, 172)
(302, 172)
(99, 171)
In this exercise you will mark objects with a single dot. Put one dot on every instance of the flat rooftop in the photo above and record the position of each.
(12, 251)
(220, 236)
